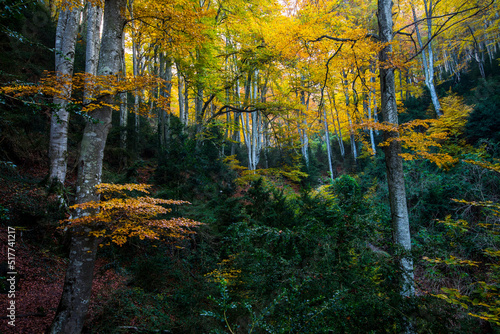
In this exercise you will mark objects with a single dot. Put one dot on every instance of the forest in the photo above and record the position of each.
(249, 166)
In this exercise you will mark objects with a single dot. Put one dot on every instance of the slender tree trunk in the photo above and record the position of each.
(303, 127)
(247, 136)
(339, 135)
(123, 109)
(180, 91)
(237, 116)
(368, 107)
(351, 130)
(256, 127)
(328, 148)
(66, 33)
(93, 43)
(186, 104)
(198, 106)
(166, 92)
(198, 99)
(135, 71)
(394, 163)
(73, 306)
(428, 57)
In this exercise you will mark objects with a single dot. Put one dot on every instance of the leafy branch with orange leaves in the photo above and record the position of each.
(119, 216)
(97, 86)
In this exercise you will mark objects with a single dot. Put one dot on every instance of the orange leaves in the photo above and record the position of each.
(119, 216)
(97, 86)
(120, 189)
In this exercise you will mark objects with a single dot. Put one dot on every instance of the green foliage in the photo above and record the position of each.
(136, 308)
(482, 299)
(27, 37)
(151, 273)
(348, 193)
(483, 122)
(300, 264)
(193, 169)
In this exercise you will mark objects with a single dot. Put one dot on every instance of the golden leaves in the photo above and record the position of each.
(97, 86)
(455, 114)
(415, 137)
(119, 216)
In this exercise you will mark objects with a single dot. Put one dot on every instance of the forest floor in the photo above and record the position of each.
(37, 253)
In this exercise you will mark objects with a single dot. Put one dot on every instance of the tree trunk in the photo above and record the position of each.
(394, 163)
(237, 116)
(180, 91)
(73, 306)
(166, 92)
(135, 71)
(186, 103)
(93, 43)
(354, 150)
(303, 127)
(339, 134)
(367, 105)
(428, 58)
(66, 33)
(327, 139)
(123, 109)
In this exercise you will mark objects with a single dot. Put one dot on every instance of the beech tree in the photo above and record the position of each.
(66, 33)
(70, 314)
(428, 52)
(393, 160)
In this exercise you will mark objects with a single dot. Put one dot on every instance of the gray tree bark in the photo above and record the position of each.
(73, 306)
(93, 43)
(166, 92)
(428, 55)
(303, 126)
(393, 160)
(123, 109)
(331, 97)
(327, 139)
(66, 33)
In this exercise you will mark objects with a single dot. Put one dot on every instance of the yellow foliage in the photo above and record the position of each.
(225, 271)
(413, 137)
(455, 114)
(57, 85)
(246, 176)
(118, 216)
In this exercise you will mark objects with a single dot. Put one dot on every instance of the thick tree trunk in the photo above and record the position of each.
(73, 306)
(394, 163)
(66, 33)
